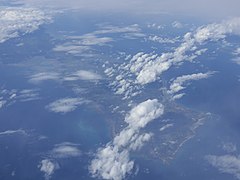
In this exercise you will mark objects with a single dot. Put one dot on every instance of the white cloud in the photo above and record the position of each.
(112, 161)
(9, 97)
(237, 52)
(163, 40)
(39, 77)
(144, 113)
(177, 24)
(71, 48)
(20, 21)
(226, 164)
(229, 147)
(83, 75)
(150, 69)
(65, 150)
(11, 132)
(27, 95)
(2, 103)
(166, 127)
(77, 45)
(48, 167)
(177, 84)
(66, 105)
(90, 40)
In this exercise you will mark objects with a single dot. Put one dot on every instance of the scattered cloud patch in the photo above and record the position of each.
(229, 147)
(66, 105)
(83, 75)
(166, 127)
(12, 132)
(177, 84)
(65, 150)
(163, 40)
(19, 21)
(44, 76)
(148, 68)
(78, 45)
(226, 164)
(177, 24)
(48, 167)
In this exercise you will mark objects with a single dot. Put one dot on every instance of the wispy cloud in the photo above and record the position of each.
(12, 132)
(80, 44)
(66, 105)
(83, 75)
(44, 76)
(177, 84)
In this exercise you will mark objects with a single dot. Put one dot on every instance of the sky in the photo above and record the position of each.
(203, 8)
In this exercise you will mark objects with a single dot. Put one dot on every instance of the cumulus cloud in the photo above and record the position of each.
(66, 105)
(112, 161)
(19, 21)
(48, 167)
(226, 164)
(147, 68)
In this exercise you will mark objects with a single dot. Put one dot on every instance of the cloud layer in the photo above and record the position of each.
(204, 8)
(20, 21)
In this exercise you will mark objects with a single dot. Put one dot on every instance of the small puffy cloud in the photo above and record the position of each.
(177, 24)
(2, 103)
(19, 21)
(66, 105)
(83, 75)
(226, 164)
(112, 161)
(229, 147)
(163, 40)
(237, 52)
(48, 167)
